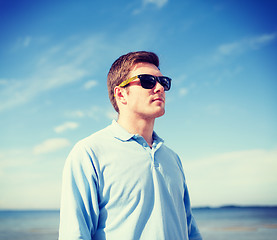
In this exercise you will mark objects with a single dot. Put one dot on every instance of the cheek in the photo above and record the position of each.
(136, 102)
(140, 98)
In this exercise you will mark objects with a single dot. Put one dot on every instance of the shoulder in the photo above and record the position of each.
(90, 146)
(169, 151)
(96, 139)
(83, 158)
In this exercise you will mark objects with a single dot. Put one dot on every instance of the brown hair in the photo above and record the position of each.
(121, 68)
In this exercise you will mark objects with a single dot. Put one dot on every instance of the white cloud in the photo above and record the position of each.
(23, 192)
(98, 113)
(213, 109)
(22, 42)
(15, 158)
(258, 41)
(246, 44)
(23, 174)
(66, 126)
(112, 114)
(90, 84)
(27, 41)
(243, 177)
(181, 78)
(226, 49)
(51, 145)
(76, 114)
(183, 92)
(57, 66)
(158, 3)
(95, 112)
(3, 82)
(21, 91)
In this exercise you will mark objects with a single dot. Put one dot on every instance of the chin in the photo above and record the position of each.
(151, 114)
(160, 113)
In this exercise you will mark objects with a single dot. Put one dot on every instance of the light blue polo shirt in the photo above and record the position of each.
(116, 187)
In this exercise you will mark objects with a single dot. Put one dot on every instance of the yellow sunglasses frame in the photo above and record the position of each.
(127, 81)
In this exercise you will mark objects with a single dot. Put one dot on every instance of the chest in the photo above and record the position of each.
(130, 171)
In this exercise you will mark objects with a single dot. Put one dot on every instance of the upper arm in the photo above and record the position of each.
(79, 199)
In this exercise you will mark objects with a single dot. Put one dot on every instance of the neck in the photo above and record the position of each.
(143, 127)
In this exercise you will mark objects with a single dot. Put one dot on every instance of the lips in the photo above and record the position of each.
(160, 99)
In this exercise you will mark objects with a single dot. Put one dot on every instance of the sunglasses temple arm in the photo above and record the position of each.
(124, 83)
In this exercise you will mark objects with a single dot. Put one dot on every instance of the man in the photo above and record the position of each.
(123, 182)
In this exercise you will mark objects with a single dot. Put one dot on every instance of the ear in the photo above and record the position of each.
(120, 95)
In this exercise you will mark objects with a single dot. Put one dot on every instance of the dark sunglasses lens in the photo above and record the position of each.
(147, 81)
(165, 82)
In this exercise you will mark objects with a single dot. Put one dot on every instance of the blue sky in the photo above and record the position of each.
(220, 114)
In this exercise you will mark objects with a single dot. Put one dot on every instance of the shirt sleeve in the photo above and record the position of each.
(79, 209)
(193, 231)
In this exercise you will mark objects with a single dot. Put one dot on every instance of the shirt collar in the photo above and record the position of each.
(123, 135)
(119, 132)
(156, 138)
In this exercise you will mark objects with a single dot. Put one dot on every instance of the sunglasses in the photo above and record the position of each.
(149, 81)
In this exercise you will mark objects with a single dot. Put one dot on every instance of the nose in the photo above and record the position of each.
(158, 87)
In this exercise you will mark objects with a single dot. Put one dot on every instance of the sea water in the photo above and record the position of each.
(240, 223)
(226, 223)
(29, 225)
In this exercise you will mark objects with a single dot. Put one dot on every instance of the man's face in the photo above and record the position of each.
(145, 103)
